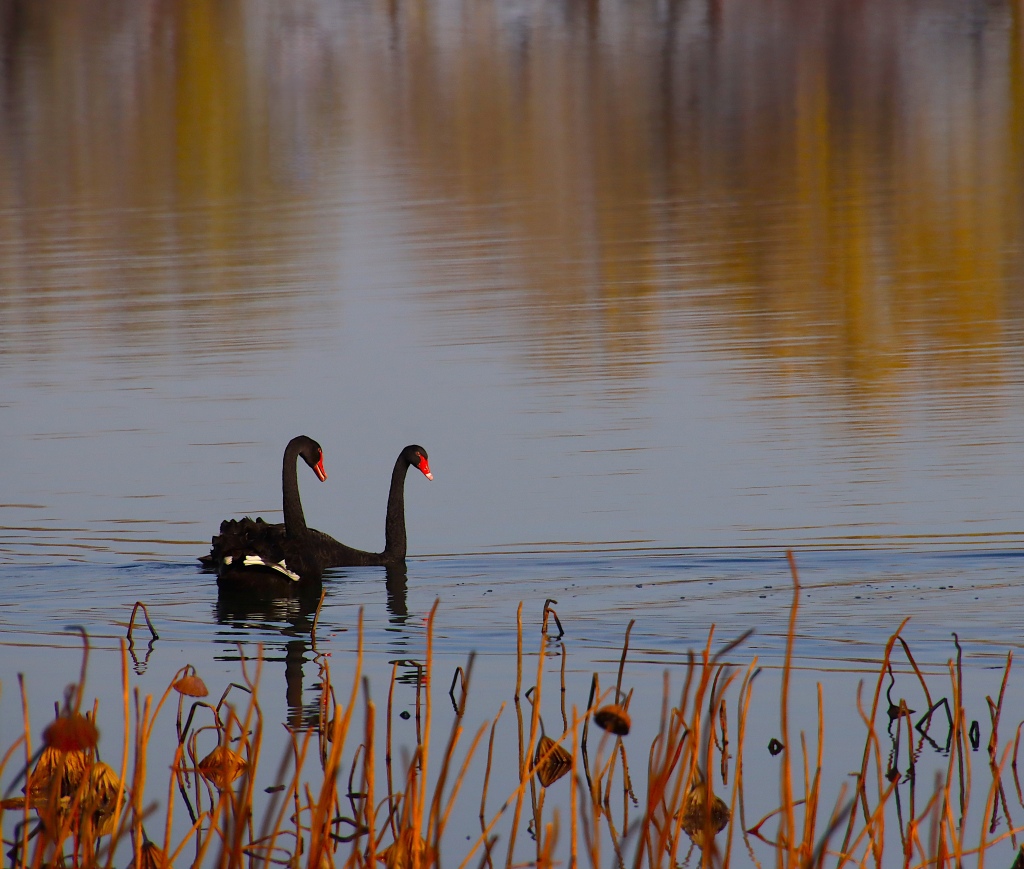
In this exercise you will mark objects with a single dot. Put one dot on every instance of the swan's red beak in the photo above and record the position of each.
(318, 469)
(425, 468)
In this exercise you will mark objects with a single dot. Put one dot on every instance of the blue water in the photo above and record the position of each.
(850, 602)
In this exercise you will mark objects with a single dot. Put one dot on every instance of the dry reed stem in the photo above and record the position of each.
(699, 749)
(192, 831)
(27, 733)
(388, 766)
(680, 754)
(874, 708)
(956, 754)
(149, 624)
(316, 619)
(622, 659)
(812, 792)
(125, 747)
(742, 711)
(514, 798)
(178, 753)
(871, 823)
(320, 819)
(675, 748)
(995, 713)
(519, 650)
(421, 801)
(369, 779)
(463, 771)
(573, 797)
(519, 710)
(139, 771)
(242, 803)
(273, 817)
(524, 760)
(788, 819)
(435, 823)
(487, 768)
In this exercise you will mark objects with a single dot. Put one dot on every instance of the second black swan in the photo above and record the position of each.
(395, 540)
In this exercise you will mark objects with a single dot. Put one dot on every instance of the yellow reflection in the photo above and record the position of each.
(834, 196)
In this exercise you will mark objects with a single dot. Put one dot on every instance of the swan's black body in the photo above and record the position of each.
(252, 555)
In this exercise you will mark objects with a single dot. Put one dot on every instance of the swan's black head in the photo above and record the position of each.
(417, 457)
(313, 456)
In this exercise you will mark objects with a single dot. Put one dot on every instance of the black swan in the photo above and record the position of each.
(253, 553)
(340, 555)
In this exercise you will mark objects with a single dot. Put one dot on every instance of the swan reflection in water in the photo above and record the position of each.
(250, 618)
(293, 617)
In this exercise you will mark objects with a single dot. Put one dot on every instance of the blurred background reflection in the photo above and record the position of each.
(821, 202)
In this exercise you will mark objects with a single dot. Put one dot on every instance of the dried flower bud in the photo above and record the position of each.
(72, 732)
(558, 762)
(191, 686)
(222, 766)
(151, 856)
(613, 718)
(62, 770)
(403, 853)
(703, 819)
(103, 787)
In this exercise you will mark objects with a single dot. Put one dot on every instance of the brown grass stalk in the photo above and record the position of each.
(526, 777)
(487, 768)
(681, 758)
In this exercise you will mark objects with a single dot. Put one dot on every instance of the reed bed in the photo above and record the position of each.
(345, 794)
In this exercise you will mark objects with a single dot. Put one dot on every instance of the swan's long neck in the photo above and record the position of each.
(394, 524)
(294, 519)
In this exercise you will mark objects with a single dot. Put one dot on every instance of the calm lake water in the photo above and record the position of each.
(664, 288)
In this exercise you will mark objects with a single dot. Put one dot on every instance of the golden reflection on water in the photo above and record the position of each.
(832, 193)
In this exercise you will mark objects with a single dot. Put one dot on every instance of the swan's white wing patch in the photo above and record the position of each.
(257, 561)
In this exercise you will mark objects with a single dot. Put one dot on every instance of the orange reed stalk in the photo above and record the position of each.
(524, 763)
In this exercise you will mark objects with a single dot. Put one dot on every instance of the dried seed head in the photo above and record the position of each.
(72, 732)
(100, 799)
(47, 768)
(62, 770)
(613, 718)
(103, 787)
(406, 852)
(151, 856)
(558, 762)
(222, 766)
(191, 686)
(703, 819)
(56, 774)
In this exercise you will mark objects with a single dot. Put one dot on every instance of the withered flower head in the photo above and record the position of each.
(191, 686)
(703, 820)
(222, 766)
(60, 769)
(100, 798)
(558, 762)
(613, 718)
(151, 856)
(103, 787)
(400, 854)
(71, 732)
